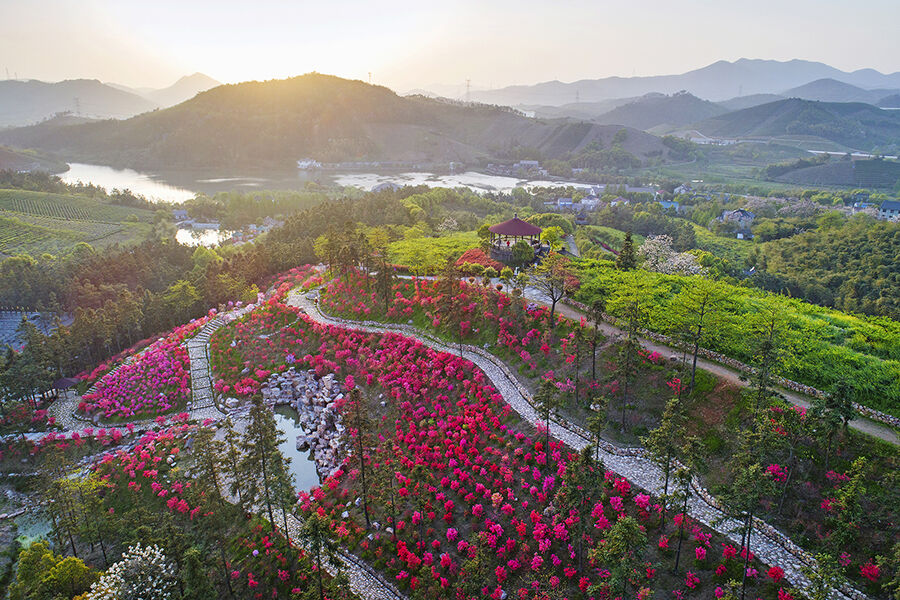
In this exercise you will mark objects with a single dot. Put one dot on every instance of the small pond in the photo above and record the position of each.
(33, 525)
(303, 468)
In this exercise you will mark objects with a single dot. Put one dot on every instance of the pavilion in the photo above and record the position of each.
(505, 235)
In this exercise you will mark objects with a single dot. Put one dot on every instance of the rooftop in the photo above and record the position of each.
(516, 227)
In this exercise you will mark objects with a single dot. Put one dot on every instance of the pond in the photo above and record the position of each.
(31, 526)
(303, 468)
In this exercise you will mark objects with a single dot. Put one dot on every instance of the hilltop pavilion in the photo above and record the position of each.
(505, 235)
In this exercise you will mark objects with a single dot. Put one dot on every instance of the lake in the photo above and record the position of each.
(178, 186)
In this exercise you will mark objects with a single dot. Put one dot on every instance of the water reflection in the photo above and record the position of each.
(302, 466)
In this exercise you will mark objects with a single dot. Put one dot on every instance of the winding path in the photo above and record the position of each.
(732, 376)
(767, 543)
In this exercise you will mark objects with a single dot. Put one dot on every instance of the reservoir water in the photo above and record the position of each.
(176, 187)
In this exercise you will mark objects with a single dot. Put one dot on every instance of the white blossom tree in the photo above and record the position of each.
(144, 573)
(659, 256)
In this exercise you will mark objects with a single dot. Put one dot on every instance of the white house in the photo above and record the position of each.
(889, 210)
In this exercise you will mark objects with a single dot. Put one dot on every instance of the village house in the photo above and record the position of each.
(889, 210)
(742, 220)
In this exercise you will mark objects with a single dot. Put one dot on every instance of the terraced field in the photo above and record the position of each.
(68, 207)
(36, 222)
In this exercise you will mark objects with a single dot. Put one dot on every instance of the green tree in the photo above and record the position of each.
(664, 442)
(596, 312)
(42, 575)
(698, 314)
(316, 535)
(522, 253)
(627, 259)
(547, 403)
(596, 422)
(622, 552)
(552, 237)
(263, 468)
(362, 429)
(195, 579)
(555, 278)
(766, 356)
(833, 414)
(824, 578)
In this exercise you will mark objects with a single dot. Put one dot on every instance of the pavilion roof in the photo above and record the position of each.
(516, 227)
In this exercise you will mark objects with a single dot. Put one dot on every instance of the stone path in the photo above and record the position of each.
(767, 543)
(721, 371)
(364, 580)
(198, 354)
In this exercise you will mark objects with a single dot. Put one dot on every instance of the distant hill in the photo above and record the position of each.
(855, 125)
(831, 90)
(892, 101)
(576, 110)
(184, 89)
(28, 160)
(656, 110)
(742, 102)
(719, 81)
(275, 123)
(25, 102)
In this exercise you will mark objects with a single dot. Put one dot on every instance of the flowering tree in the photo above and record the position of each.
(144, 573)
(659, 256)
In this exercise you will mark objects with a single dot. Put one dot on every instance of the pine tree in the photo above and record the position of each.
(622, 552)
(262, 466)
(546, 402)
(663, 442)
(766, 357)
(362, 426)
(316, 535)
(833, 413)
(596, 312)
(627, 259)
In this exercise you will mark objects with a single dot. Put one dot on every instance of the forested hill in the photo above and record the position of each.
(856, 125)
(275, 123)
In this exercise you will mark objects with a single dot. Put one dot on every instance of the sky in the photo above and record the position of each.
(420, 44)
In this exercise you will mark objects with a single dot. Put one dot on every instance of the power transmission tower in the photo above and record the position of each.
(370, 77)
(468, 90)
(577, 97)
(77, 105)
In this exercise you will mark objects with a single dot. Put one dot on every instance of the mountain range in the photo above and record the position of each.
(31, 101)
(275, 123)
(719, 81)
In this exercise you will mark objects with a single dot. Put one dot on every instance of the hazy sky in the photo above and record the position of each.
(407, 44)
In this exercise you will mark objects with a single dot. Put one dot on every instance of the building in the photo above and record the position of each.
(308, 164)
(386, 187)
(620, 201)
(684, 188)
(889, 210)
(669, 204)
(505, 235)
(179, 214)
(742, 220)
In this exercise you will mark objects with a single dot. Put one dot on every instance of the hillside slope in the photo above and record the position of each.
(855, 125)
(655, 110)
(831, 90)
(275, 123)
(24, 102)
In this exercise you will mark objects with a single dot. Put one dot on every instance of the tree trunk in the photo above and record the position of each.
(747, 556)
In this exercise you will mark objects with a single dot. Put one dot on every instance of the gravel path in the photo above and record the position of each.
(772, 547)
(859, 423)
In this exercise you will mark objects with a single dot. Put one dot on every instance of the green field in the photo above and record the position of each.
(37, 222)
(819, 346)
(431, 253)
